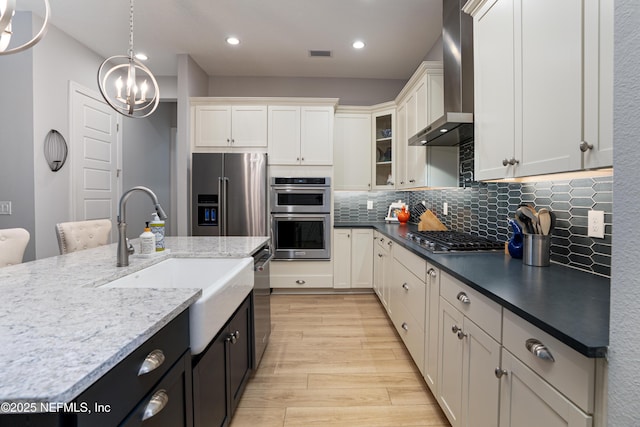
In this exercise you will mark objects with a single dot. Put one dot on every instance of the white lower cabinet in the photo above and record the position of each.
(526, 400)
(431, 316)
(301, 274)
(408, 289)
(382, 264)
(352, 258)
(468, 390)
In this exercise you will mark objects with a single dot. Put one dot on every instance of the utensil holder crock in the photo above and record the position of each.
(536, 250)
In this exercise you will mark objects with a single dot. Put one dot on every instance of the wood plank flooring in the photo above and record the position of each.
(335, 360)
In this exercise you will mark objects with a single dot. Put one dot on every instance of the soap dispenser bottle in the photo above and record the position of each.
(147, 241)
(157, 228)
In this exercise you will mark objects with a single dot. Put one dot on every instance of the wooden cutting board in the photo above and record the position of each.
(429, 222)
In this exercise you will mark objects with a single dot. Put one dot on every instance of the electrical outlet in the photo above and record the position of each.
(445, 208)
(596, 224)
(369, 204)
(5, 208)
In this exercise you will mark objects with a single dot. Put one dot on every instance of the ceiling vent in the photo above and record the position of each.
(320, 53)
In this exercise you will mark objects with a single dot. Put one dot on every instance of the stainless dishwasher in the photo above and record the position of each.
(261, 303)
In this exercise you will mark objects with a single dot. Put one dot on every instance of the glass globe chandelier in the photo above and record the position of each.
(127, 84)
(7, 10)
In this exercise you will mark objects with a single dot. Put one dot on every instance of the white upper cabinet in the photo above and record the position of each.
(301, 135)
(419, 104)
(352, 150)
(542, 86)
(218, 125)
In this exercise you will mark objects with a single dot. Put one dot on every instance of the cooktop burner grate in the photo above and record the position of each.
(453, 241)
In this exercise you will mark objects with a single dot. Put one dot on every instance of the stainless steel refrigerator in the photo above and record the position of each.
(229, 194)
(229, 198)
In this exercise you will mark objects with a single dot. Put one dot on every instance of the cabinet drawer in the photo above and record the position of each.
(175, 390)
(412, 333)
(570, 372)
(122, 384)
(408, 290)
(413, 262)
(301, 274)
(481, 310)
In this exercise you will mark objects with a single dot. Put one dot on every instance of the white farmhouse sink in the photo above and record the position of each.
(225, 283)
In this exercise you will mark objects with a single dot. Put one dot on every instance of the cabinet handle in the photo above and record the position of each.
(389, 243)
(432, 272)
(348, 236)
(233, 141)
(300, 282)
(381, 239)
(511, 162)
(228, 141)
(539, 350)
(463, 298)
(156, 404)
(455, 329)
(380, 255)
(461, 334)
(302, 159)
(401, 182)
(405, 326)
(500, 372)
(584, 146)
(412, 181)
(151, 362)
(405, 286)
(298, 159)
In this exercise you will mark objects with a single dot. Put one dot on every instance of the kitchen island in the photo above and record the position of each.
(60, 331)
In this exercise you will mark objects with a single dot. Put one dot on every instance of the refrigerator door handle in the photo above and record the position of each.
(225, 201)
(221, 206)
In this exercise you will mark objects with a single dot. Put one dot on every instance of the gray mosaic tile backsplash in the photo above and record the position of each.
(483, 208)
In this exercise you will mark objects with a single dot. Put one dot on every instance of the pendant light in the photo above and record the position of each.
(7, 10)
(127, 84)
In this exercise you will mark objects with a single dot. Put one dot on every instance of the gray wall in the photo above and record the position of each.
(350, 91)
(16, 137)
(146, 161)
(624, 340)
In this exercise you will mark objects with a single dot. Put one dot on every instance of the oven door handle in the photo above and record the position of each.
(301, 216)
(301, 189)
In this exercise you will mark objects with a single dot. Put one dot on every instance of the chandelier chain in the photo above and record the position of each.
(131, 30)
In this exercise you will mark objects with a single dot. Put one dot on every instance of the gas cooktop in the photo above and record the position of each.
(453, 241)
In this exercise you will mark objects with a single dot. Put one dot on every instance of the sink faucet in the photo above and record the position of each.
(124, 247)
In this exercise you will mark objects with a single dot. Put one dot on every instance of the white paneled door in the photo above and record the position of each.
(95, 155)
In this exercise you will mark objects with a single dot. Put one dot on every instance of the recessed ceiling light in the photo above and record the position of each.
(233, 40)
(444, 130)
(358, 44)
(141, 56)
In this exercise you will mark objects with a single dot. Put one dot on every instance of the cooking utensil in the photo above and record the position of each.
(530, 213)
(552, 214)
(526, 219)
(544, 219)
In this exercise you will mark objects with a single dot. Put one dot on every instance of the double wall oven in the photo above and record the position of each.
(301, 218)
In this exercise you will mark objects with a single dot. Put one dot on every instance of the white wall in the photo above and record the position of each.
(624, 340)
(192, 81)
(350, 91)
(57, 59)
(16, 135)
(146, 146)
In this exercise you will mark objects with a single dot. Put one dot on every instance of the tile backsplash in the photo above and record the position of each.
(483, 208)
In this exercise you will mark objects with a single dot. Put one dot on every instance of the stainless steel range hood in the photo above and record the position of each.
(456, 125)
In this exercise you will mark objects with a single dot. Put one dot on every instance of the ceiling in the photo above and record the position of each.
(276, 35)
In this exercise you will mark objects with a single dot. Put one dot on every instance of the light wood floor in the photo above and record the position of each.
(335, 361)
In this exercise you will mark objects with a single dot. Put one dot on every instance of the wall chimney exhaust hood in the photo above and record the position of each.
(456, 125)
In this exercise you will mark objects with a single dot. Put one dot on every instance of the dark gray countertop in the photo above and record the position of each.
(571, 305)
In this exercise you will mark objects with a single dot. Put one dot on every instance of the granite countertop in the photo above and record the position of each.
(60, 332)
(569, 304)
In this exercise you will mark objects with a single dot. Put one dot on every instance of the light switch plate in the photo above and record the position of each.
(369, 204)
(5, 208)
(596, 224)
(445, 208)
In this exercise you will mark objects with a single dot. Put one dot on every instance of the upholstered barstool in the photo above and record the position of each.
(79, 235)
(13, 242)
